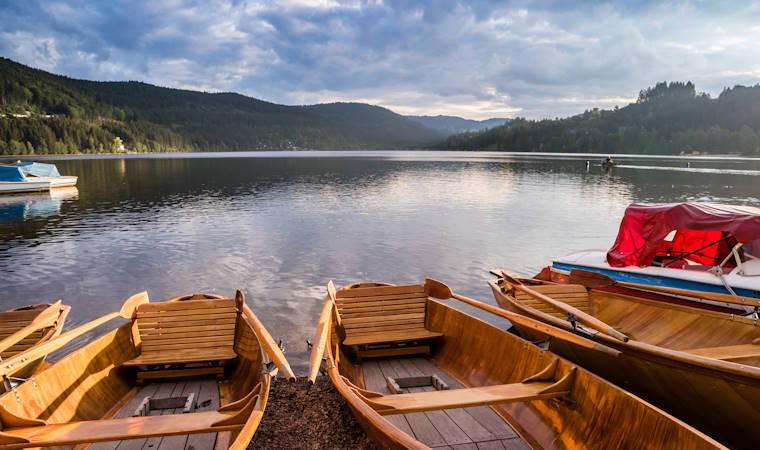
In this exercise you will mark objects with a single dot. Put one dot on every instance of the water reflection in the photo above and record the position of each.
(36, 204)
(280, 227)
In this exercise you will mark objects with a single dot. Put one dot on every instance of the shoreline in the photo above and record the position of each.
(490, 154)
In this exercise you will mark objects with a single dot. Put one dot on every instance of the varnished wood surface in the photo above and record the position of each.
(695, 363)
(474, 353)
(15, 319)
(205, 390)
(451, 428)
(378, 315)
(92, 383)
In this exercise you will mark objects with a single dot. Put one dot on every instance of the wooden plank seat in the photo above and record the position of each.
(118, 429)
(384, 320)
(394, 336)
(575, 295)
(537, 387)
(21, 432)
(728, 352)
(185, 332)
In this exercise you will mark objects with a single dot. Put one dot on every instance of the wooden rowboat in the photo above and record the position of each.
(418, 373)
(700, 365)
(25, 328)
(147, 382)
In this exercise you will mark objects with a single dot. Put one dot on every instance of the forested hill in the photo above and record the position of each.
(669, 118)
(452, 124)
(44, 113)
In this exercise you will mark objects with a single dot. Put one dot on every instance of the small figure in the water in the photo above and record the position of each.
(608, 163)
(588, 165)
(688, 164)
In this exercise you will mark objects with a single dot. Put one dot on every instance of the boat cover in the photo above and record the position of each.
(39, 169)
(11, 173)
(704, 232)
(19, 171)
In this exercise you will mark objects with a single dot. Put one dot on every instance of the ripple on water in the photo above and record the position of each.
(280, 228)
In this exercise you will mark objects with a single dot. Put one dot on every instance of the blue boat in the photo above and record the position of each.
(32, 177)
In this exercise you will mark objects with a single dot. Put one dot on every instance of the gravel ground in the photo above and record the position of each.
(302, 416)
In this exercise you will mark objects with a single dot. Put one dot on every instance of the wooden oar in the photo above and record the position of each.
(320, 338)
(17, 362)
(438, 290)
(595, 279)
(270, 347)
(582, 317)
(46, 318)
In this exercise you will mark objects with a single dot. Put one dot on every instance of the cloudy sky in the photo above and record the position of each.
(475, 59)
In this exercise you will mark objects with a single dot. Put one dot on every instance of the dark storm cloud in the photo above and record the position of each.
(477, 59)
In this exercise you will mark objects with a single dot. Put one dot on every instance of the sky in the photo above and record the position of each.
(476, 59)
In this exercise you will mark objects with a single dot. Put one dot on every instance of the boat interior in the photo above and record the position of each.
(17, 318)
(450, 380)
(44, 321)
(677, 326)
(185, 373)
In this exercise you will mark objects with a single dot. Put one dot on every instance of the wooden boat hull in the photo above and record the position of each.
(94, 384)
(720, 398)
(39, 338)
(475, 353)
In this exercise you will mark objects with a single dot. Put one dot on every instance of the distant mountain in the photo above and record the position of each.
(45, 113)
(668, 118)
(453, 124)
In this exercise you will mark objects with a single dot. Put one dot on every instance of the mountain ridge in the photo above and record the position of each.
(45, 113)
(454, 124)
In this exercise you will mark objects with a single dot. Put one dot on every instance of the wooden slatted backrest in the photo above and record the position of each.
(11, 322)
(187, 325)
(574, 295)
(382, 308)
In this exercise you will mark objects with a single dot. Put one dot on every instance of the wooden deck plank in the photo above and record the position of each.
(448, 429)
(515, 444)
(174, 442)
(470, 428)
(485, 415)
(423, 430)
(465, 447)
(163, 390)
(126, 411)
(176, 390)
(375, 381)
(208, 390)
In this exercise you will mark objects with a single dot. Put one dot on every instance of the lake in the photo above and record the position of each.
(280, 225)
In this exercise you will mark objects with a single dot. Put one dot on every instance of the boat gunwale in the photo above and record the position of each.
(742, 371)
(242, 436)
(398, 437)
(379, 423)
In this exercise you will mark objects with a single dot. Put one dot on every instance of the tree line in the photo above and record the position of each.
(44, 113)
(668, 118)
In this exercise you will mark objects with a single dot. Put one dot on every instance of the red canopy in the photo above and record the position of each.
(645, 229)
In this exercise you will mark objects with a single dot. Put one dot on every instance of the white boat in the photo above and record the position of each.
(12, 187)
(32, 177)
(695, 246)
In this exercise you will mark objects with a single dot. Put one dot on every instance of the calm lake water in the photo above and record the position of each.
(280, 225)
